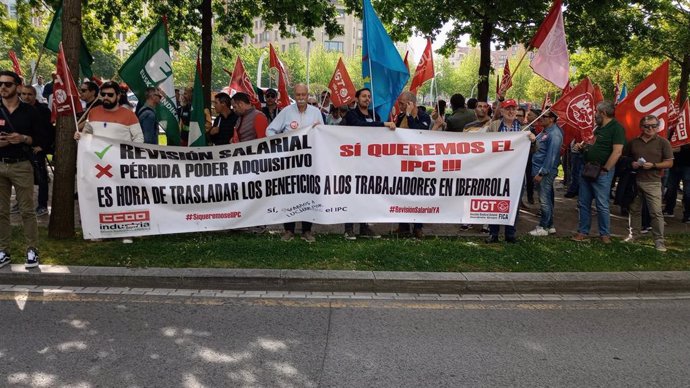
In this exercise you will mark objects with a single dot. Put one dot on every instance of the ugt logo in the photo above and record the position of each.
(490, 205)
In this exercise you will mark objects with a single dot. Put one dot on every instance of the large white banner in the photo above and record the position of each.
(326, 175)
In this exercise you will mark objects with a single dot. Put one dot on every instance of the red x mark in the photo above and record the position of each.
(104, 171)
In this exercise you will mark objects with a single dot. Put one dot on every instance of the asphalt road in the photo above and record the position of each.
(89, 340)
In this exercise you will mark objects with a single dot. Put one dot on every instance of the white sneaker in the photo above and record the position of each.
(660, 246)
(552, 230)
(539, 232)
(127, 241)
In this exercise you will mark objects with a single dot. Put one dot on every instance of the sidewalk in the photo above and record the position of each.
(349, 281)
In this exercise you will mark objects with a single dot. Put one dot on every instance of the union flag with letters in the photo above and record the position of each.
(341, 87)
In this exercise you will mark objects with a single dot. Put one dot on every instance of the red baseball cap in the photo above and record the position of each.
(509, 103)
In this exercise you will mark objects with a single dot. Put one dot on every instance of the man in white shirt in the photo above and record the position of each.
(296, 116)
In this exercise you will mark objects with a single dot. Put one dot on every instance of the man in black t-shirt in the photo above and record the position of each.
(18, 128)
(223, 126)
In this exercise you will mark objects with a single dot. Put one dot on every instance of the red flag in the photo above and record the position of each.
(551, 61)
(577, 108)
(65, 95)
(547, 102)
(239, 82)
(506, 81)
(567, 88)
(283, 98)
(15, 63)
(97, 80)
(425, 68)
(650, 97)
(394, 111)
(680, 132)
(342, 89)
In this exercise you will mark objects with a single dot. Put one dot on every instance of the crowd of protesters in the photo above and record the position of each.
(642, 176)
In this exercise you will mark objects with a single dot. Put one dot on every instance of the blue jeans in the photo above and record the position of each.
(511, 230)
(576, 162)
(676, 175)
(546, 197)
(599, 190)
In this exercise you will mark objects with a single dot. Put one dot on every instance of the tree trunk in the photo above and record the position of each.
(62, 214)
(206, 42)
(484, 60)
(684, 76)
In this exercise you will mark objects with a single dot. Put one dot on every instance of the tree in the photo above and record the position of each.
(486, 21)
(62, 217)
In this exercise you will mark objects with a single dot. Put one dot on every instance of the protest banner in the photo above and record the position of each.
(326, 175)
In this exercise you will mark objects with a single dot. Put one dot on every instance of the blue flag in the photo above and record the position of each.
(383, 70)
(624, 92)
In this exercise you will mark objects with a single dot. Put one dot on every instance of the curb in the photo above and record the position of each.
(350, 281)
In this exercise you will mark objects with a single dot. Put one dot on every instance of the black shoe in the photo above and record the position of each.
(511, 240)
(570, 195)
(491, 240)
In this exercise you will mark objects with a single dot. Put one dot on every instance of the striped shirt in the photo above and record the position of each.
(121, 124)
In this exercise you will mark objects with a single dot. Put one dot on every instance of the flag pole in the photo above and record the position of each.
(71, 96)
(38, 61)
(515, 69)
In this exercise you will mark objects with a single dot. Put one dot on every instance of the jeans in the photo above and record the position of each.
(576, 163)
(290, 226)
(510, 230)
(676, 175)
(599, 191)
(546, 197)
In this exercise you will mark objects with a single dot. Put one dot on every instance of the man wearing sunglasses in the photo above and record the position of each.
(651, 154)
(19, 126)
(113, 120)
(271, 109)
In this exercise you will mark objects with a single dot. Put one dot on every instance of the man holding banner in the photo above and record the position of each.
(296, 116)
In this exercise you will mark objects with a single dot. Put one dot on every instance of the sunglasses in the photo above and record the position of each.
(650, 126)
(7, 84)
(107, 94)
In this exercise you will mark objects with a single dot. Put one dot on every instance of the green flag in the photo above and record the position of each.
(197, 119)
(54, 37)
(150, 65)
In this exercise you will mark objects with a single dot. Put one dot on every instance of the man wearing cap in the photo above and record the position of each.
(651, 154)
(271, 109)
(507, 123)
(545, 169)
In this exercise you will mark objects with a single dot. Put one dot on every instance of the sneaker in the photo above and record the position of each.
(31, 258)
(14, 209)
(579, 237)
(127, 241)
(464, 228)
(287, 236)
(485, 230)
(4, 258)
(605, 239)
(660, 246)
(350, 236)
(552, 230)
(539, 232)
(308, 237)
(368, 233)
(646, 230)
(41, 211)
(418, 234)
